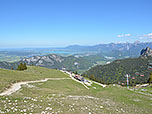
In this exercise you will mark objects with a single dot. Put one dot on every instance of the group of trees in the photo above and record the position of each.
(116, 71)
(21, 66)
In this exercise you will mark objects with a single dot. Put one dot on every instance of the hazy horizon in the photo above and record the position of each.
(60, 47)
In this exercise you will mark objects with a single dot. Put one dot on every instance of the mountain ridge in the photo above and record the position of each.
(125, 49)
(146, 52)
(54, 61)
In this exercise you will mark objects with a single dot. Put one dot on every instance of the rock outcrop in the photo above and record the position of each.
(147, 52)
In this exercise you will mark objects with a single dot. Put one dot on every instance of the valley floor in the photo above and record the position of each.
(68, 96)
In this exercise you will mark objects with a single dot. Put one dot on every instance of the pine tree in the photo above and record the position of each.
(150, 78)
(18, 67)
(12, 68)
(22, 66)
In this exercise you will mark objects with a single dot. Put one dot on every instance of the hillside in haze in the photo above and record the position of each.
(54, 61)
(115, 50)
(84, 58)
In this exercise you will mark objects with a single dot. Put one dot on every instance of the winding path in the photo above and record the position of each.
(15, 87)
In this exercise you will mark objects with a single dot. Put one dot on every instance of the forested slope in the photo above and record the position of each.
(115, 72)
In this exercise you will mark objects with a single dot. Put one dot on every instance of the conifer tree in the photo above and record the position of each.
(22, 66)
(150, 78)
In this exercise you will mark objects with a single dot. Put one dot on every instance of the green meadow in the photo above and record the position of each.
(67, 96)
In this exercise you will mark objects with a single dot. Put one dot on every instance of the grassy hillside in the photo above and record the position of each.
(7, 77)
(68, 96)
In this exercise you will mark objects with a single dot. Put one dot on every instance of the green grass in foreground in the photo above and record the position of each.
(69, 97)
(7, 77)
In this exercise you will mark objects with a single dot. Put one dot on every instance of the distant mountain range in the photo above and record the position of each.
(117, 50)
(86, 57)
(115, 72)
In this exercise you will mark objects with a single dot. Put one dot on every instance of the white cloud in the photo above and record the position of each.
(146, 36)
(123, 35)
(119, 36)
(127, 34)
(150, 34)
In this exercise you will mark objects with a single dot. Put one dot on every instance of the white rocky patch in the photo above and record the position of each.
(76, 63)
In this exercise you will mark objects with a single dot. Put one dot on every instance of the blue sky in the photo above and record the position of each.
(57, 23)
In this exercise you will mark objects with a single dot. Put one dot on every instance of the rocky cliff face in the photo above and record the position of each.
(47, 60)
(147, 52)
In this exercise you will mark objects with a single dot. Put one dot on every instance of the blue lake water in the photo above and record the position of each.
(61, 52)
